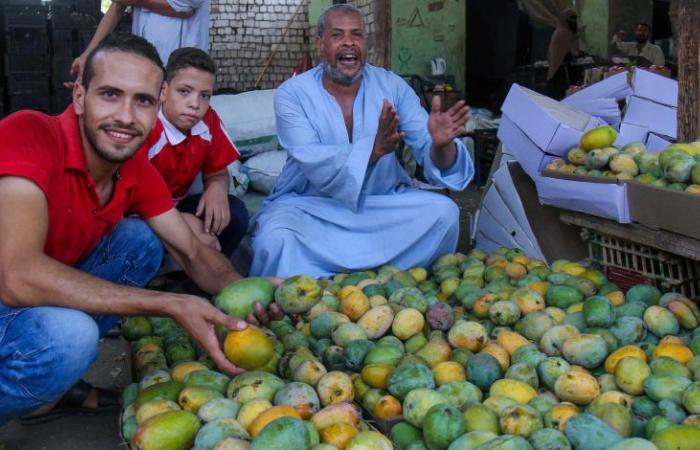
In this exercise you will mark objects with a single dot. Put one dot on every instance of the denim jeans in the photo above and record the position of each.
(45, 350)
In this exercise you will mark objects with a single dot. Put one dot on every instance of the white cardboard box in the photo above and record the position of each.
(655, 87)
(631, 133)
(658, 118)
(530, 157)
(605, 108)
(602, 199)
(616, 86)
(496, 207)
(553, 126)
(656, 143)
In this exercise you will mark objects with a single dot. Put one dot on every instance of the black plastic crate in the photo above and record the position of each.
(64, 42)
(27, 84)
(485, 147)
(26, 40)
(39, 101)
(60, 68)
(60, 100)
(21, 16)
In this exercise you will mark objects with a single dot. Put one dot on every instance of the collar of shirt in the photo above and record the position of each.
(176, 136)
(75, 153)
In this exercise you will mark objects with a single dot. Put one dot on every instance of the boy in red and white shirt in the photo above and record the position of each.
(189, 138)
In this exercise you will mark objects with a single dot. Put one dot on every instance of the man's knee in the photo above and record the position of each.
(61, 346)
(447, 210)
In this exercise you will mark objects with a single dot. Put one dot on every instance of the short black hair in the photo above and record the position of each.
(644, 24)
(185, 57)
(128, 43)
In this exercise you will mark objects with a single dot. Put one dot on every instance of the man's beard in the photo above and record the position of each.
(641, 39)
(338, 77)
(114, 158)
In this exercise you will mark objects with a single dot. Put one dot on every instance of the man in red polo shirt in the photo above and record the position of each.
(189, 138)
(69, 261)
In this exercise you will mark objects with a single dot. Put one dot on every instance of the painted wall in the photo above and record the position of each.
(596, 28)
(422, 30)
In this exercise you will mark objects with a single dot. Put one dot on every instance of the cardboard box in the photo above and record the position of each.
(553, 126)
(616, 86)
(539, 224)
(658, 118)
(601, 197)
(656, 143)
(665, 209)
(655, 87)
(531, 158)
(604, 108)
(631, 133)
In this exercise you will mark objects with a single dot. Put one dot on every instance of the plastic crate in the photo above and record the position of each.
(627, 263)
(485, 147)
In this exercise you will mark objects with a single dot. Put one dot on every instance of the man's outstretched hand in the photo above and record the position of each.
(388, 134)
(445, 126)
(198, 317)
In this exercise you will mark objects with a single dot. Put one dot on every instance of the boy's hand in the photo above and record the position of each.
(213, 209)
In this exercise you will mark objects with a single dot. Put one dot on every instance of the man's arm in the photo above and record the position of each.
(432, 138)
(108, 23)
(28, 277)
(213, 207)
(162, 7)
(211, 270)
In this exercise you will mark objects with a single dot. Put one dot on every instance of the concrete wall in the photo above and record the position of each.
(243, 33)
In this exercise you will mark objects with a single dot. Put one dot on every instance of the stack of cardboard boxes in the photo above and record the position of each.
(536, 129)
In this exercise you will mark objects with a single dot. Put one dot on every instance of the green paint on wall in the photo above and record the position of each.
(596, 30)
(422, 30)
(316, 7)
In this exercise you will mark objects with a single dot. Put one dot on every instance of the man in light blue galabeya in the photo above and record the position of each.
(343, 202)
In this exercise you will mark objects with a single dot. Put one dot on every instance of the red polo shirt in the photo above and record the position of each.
(181, 157)
(48, 150)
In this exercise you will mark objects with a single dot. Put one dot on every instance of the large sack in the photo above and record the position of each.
(263, 170)
(249, 118)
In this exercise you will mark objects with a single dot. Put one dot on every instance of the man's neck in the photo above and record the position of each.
(640, 46)
(341, 90)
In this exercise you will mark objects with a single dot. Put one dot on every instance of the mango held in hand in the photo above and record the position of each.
(249, 349)
(298, 294)
(599, 137)
(237, 299)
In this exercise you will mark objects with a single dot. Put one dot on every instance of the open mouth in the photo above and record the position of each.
(348, 60)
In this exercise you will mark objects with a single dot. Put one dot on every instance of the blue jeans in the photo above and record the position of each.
(45, 350)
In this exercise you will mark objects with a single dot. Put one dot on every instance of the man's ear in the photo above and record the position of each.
(163, 91)
(78, 98)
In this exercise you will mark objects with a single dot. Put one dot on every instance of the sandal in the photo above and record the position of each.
(72, 404)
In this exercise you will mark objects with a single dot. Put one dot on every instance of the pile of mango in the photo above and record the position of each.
(677, 167)
(479, 352)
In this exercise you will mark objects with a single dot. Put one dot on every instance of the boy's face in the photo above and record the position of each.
(186, 97)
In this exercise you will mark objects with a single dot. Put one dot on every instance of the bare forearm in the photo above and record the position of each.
(43, 281)
(163, 8)
(106, 26)
(444, 157)
(208, 268)
(219, 180)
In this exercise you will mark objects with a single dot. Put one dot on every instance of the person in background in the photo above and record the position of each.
(84, 218)
(343, 202)
(167, 24)
(642, 47)
(562, 46)
(189, 138)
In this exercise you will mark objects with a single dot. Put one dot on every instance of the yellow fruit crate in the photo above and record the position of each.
(627, 263)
